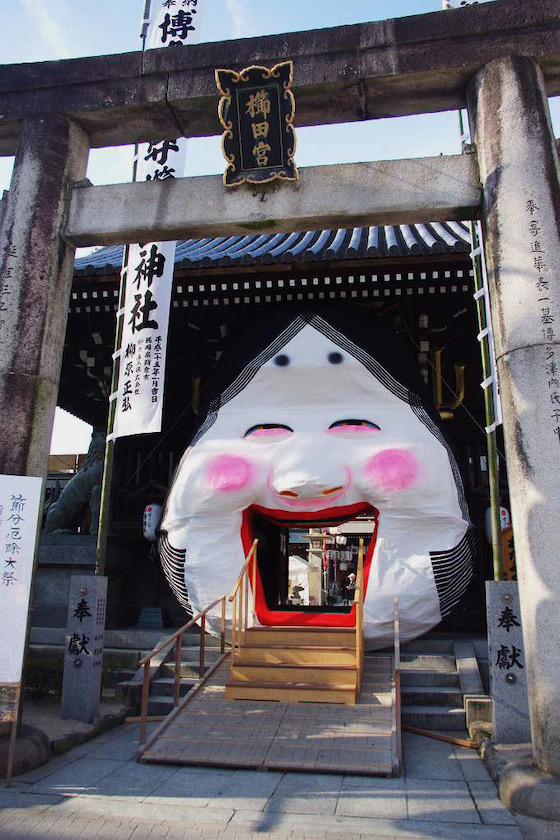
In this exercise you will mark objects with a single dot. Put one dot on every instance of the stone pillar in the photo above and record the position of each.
(83, 657)
(36, 269)
(521, 214)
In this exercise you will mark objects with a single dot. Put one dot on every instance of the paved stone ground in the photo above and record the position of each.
(98, 791)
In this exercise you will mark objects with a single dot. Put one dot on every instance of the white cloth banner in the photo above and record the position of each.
(149, 271)
(20, 497)
(174, 22)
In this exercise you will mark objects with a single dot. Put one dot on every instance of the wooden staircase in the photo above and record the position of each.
(296, 664)
(227, 719)
(293, 664)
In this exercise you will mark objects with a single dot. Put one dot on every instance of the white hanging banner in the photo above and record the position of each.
(174, 22)
(149, 271)
(20, 497)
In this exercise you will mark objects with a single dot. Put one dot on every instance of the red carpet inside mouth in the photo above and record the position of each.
(316, 617)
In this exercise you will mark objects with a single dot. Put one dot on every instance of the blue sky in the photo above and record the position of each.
(46, 30)
(39, 30)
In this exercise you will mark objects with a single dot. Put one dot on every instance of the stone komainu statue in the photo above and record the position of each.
(83, 489)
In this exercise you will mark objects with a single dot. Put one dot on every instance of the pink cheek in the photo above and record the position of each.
(393, 469)
(226, 473)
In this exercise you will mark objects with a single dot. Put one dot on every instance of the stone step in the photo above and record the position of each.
(190, 653)
(164, 686)
(430, 661)
(122, 675)
(420, 695)
(434, 718)
(188, 669)
(429, 677)
(427, 645)
(112, 658)
(160, 704)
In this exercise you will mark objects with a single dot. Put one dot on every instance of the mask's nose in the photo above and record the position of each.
(301, 484)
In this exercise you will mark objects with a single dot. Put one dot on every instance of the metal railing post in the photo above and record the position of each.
(233, 632)
(397, 686)
(254, 562)
(177, 672)
(240, 608)
(145, 700)
(202, 655)
(223, 627)
(240, 617)
(358, 601)
(246, 606)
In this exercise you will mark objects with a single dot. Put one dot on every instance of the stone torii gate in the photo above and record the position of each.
(500, 60)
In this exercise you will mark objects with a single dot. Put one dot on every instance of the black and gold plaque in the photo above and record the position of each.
(257, 111)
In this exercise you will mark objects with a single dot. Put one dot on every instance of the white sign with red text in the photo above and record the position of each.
(20, 497)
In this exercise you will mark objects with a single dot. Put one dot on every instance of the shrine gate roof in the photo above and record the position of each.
(379, 241)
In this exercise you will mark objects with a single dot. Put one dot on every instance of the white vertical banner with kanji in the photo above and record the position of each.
(149, 270)
(20, 497)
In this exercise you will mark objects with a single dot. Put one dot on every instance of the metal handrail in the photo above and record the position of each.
(161, 645)
(359, 605)
(243, 570)
(240, 599)
(176, 640)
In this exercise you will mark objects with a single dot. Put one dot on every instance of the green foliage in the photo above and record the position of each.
(43, 677)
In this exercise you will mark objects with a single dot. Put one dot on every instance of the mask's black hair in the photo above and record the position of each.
(261, 337)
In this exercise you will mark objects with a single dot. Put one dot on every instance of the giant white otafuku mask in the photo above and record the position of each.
(313, 430)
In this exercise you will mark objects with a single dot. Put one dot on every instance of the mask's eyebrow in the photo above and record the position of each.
(261, 426)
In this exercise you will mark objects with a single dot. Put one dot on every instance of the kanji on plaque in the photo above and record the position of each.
(257, 111)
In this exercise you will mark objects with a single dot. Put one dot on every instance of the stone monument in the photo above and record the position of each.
(508, 673)
(83, 657)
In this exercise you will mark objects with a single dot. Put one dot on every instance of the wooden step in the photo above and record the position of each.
(319, 674)
(301, 636)
(304, 655)
(292, 693)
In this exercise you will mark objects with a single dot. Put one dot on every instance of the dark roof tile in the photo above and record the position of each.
(341, 244)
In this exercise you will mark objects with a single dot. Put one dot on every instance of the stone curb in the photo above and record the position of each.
(523, 787)
(69, 740)
(34, 748)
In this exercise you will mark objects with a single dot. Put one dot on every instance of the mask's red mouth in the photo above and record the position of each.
(271, 523)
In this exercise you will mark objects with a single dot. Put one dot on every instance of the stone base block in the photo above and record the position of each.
(532, 828)
(525, 789)
(478, 709)
(32, 749)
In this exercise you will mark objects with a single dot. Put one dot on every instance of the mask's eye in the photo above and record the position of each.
(353, 428)
(268, 432)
